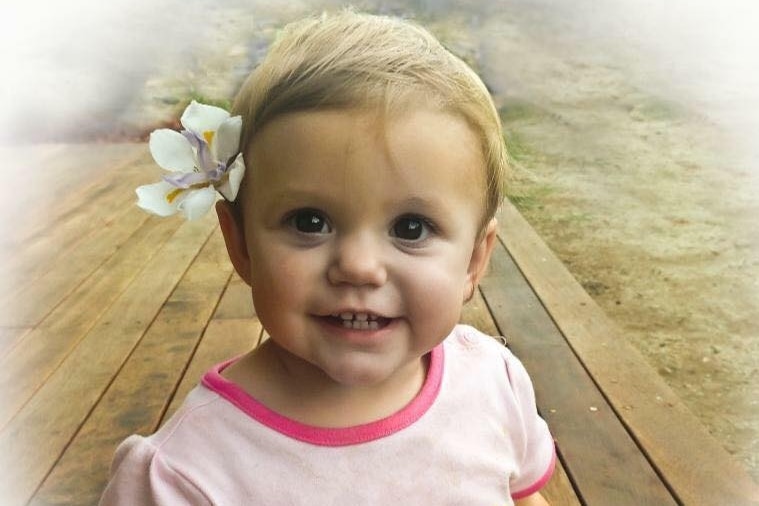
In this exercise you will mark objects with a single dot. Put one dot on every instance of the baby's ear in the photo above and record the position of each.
(234, 237)
(480, 258)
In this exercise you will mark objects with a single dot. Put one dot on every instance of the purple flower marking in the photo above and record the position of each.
(192, 138)
(201, 148)
(210, 170)
(186, 179)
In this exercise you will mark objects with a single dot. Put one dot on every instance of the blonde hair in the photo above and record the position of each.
(349, 60)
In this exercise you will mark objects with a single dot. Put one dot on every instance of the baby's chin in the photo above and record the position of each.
(370, 372)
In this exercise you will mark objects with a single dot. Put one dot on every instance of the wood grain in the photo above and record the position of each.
(32, 300)
(139, 395)
(237, 302)
(223, 339)
(31, 362)
(475, 313)
(60, 217)
(86, 371)
(9, 337)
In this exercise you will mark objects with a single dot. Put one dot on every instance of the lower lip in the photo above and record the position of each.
(358, 336)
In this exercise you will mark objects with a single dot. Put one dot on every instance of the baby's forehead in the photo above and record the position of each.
(323, 153)
(340, 132)
(374, 120)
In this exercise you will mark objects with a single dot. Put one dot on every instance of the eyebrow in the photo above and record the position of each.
(427, 205)
(289, 198)
(434, 206)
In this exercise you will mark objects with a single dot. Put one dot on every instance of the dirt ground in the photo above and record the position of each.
(643, 199)
(638, 192)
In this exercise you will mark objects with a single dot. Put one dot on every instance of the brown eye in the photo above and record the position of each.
(309, 221)
(411, 228)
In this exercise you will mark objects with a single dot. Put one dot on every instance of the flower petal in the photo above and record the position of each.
(200, 118)
(232, 185)
(155, 198)
(228, 139)
(198, 202)
(172, 151)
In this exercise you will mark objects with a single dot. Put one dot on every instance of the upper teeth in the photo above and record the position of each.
(362, 317)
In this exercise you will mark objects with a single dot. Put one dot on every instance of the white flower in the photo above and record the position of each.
(200, 159)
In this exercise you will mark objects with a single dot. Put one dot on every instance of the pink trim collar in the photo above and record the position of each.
(322, 436)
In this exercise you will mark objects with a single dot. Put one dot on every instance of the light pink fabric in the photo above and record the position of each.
(471, 436)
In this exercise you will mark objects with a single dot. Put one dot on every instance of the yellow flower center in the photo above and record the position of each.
(208, 136)
(173, 194)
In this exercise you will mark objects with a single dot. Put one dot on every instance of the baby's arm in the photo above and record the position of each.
(532, 500)
(538, 455)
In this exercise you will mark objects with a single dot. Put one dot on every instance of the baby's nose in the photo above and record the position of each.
(357, 261)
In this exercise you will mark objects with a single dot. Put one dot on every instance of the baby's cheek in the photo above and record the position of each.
(435, 299)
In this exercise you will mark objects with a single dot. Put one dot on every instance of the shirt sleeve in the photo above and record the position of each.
(141, 475)
(536, 452)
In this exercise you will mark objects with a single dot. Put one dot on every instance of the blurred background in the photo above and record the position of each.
(633, 127)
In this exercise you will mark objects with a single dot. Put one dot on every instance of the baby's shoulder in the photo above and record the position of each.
(470, 342)
(164, 465)
(186, 429)
(470, 351)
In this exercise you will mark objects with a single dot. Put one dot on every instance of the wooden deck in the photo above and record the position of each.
(109, 316)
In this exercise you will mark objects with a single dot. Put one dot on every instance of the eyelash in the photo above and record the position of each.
(316, 218)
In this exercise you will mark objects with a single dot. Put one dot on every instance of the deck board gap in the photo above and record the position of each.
(186, 367)
(570, 476)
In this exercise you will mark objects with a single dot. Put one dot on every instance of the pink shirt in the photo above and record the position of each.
(471, 436)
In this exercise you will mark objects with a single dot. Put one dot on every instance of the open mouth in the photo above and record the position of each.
(359, 321)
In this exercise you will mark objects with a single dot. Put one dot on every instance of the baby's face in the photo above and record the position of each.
(361, 235)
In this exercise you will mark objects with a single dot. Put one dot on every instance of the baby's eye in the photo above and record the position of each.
(411, 228)
(309, 221)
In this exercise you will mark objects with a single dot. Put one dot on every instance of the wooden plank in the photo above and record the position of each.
(602, 460)
(91, 207)
(81, 169)
(86, 372)
(38, 354)
(60, 218)
(475, 313)
(136, 400)
(39, 167)
(71, 237)
(223, 339)
(695, 465)
(30, 302)
(21, 168)
(558, 491)
(9, 337)
(54, 176)
(237, 302)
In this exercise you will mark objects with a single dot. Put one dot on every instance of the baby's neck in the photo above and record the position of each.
(302, 392)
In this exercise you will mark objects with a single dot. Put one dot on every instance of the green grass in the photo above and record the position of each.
(516, 146)
(517, 110)
(529, 198)
(224, 103)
